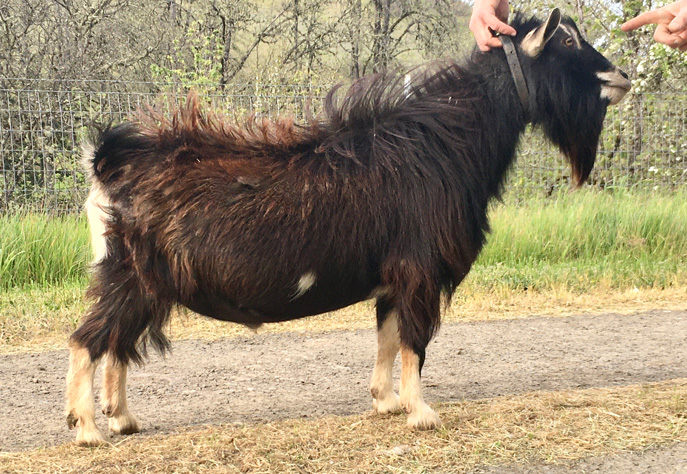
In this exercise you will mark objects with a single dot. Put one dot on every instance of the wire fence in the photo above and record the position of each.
(644, 144)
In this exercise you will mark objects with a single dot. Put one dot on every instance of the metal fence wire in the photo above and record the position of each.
(644, 144)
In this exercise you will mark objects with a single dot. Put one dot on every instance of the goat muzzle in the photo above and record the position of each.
(614, 85)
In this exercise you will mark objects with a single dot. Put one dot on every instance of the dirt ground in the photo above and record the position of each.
(280, 376)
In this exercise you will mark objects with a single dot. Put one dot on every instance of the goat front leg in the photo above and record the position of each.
(420, 415)
(416, 298)
(80, 399)
(385, 399)
(113, 399)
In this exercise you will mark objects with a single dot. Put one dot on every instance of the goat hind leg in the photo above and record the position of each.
(80, 399)
(385, 399)
(113, 399)
(80, 410)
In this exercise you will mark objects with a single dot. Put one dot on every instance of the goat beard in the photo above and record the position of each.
(581, 158)
(578, 141)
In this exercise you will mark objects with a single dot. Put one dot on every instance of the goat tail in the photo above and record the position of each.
(108, 149)
(124, 318)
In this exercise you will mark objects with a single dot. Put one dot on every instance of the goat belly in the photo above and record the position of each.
(224, 310)
(277, 307)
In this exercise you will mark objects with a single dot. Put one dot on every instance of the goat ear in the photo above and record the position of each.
(534, 42)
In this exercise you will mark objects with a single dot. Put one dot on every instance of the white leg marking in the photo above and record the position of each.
(304, 284)
(80, 400)
(113, 399)
(382, 384)
(420, 415)
(97, 219)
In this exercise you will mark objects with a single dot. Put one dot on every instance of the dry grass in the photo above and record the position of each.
(50, 318)
(534, 428)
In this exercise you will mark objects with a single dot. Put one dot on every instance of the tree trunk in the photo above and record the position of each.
(355, 39)
(227, 35)
(381, 40)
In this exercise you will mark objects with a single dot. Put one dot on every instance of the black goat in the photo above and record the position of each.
(384, 196)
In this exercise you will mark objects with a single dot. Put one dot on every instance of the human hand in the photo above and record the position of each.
(671, 22)
(488, 16)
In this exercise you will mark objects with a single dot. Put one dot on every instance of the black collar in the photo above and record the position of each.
(516, 72)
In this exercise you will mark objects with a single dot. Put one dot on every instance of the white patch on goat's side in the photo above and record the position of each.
(87, 155)
(306, 281)
(95, 205)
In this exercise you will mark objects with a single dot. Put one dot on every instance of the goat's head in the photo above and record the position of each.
(570, 84)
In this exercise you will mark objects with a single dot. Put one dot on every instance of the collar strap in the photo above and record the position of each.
(516, 72)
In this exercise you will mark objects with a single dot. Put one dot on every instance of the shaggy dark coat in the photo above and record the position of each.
(385, 194)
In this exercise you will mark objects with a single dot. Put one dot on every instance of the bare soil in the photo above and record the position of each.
(307, 375)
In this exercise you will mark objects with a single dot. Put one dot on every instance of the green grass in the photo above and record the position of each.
(620, 239)
(38, 250)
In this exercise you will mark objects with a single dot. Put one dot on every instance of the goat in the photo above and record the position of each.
(384, 196)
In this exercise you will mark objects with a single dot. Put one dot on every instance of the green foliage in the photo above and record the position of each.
(202, 67)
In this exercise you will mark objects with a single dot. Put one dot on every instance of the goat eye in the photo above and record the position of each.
(569, 41)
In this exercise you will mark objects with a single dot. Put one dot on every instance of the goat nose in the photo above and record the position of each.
(623, 73)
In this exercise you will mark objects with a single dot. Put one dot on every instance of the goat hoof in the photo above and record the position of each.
(423, 418)
(91, 442)
(90, 439)
(124, 424)
(389, 404)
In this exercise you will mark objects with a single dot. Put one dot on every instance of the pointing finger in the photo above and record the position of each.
(643, 19)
